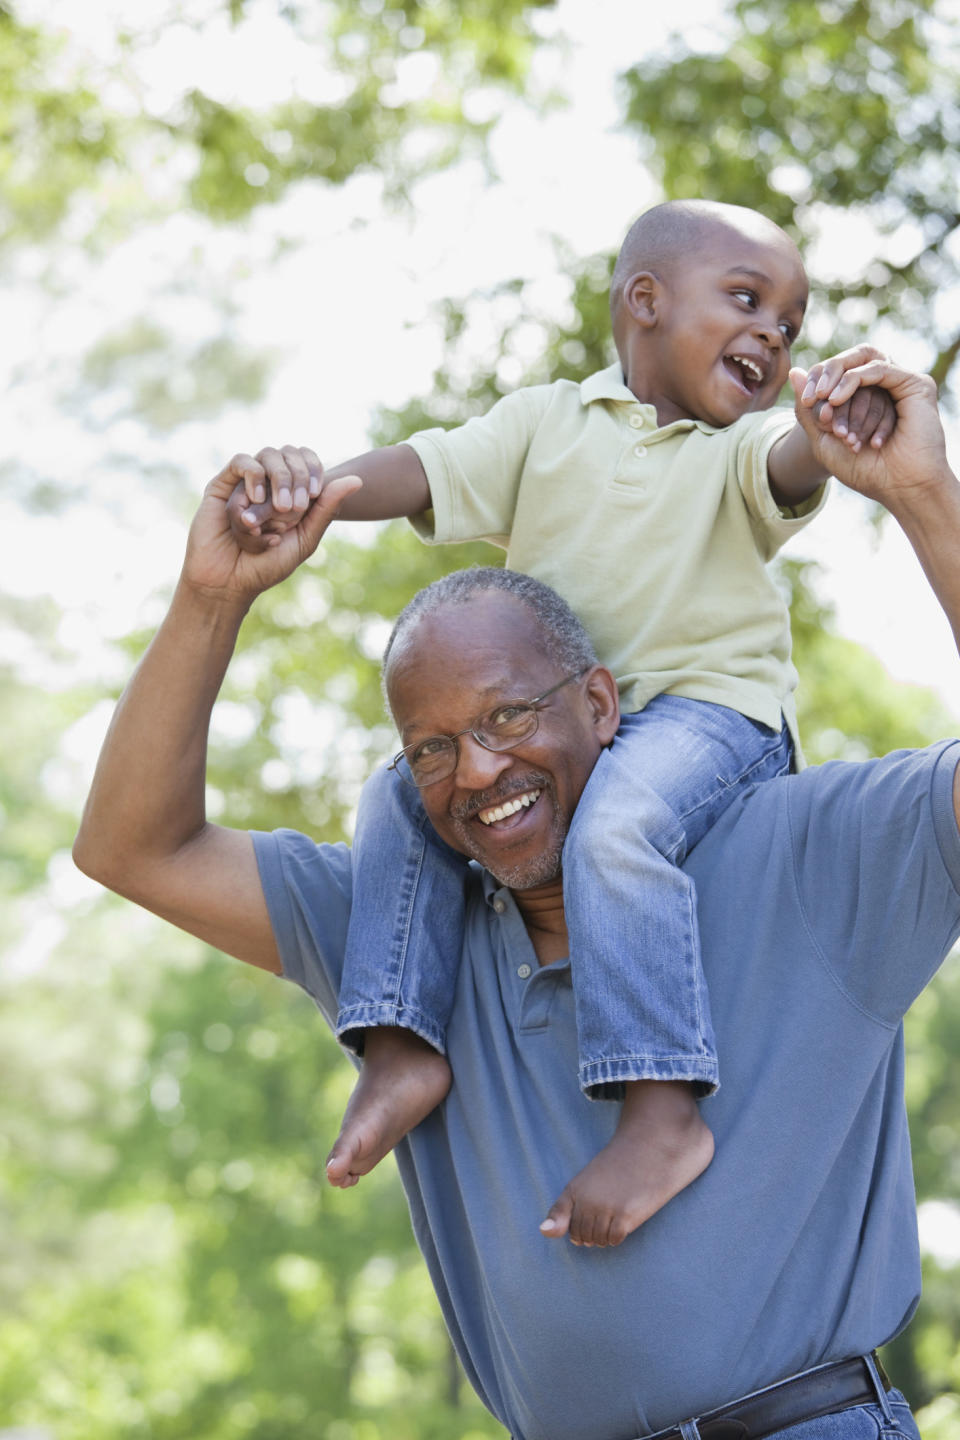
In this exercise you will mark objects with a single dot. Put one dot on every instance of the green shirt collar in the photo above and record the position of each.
(609, 384)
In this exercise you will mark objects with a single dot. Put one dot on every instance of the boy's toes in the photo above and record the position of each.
(340, 1161)
(557, 1222)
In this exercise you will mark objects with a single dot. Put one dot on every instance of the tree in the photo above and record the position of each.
(179, 1266)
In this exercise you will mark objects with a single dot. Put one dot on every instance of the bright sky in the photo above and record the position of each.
(346, 311)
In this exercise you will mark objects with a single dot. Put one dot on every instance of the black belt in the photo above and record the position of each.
(803, 1397)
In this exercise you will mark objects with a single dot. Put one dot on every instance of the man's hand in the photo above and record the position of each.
(912, 458)
(849, 407)
(273, 495)
(222, 559)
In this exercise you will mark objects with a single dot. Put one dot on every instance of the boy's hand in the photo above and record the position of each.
(850, 408)
(277, 490)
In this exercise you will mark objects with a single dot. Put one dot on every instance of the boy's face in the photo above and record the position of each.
(725, 320)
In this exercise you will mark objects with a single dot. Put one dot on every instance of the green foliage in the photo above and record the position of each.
(61, 140)
(172, 1262)
(55, 139)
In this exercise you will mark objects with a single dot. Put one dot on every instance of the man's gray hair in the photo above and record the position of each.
(564, 638)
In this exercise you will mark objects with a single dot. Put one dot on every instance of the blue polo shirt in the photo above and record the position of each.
(826, 902)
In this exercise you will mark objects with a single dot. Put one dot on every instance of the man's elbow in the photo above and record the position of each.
(95, 859)
(112, 859)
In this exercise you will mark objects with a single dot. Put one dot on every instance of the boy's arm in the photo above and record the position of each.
(846, 407)
(279, 485)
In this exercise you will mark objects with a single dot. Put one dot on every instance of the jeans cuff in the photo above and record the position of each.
(353, 1020)
(605, 1079)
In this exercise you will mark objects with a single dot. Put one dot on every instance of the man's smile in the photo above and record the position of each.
(508, 807)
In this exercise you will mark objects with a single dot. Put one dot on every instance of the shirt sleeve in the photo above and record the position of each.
(308, 890)
(474, 472)
(876, 855)
(754, 437)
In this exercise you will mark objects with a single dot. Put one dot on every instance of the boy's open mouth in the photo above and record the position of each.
(747, 373)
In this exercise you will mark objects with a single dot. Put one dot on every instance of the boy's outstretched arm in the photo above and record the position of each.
(846, 406)
(280, 484)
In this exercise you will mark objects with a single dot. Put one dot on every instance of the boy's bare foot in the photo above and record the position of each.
(401, 1080)
(660, 1145)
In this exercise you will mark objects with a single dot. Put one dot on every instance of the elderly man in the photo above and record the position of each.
(752, 1302)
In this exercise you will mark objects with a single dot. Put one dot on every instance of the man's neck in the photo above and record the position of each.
(542, 912)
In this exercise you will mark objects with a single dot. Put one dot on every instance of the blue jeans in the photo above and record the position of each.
(642, 1004)
(891, 1421)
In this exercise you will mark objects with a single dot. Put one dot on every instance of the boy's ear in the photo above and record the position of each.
(641, 298)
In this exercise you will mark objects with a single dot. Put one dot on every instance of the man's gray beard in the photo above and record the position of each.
(540, 871)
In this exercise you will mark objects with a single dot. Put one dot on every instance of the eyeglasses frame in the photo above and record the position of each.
(469, 730)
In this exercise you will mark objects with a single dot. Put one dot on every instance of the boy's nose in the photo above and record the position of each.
(767, 329)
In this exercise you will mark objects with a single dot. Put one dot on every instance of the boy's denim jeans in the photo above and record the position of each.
(642, 1004)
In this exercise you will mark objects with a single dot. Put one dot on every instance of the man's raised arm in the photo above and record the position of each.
(909, 476)
(144, 831)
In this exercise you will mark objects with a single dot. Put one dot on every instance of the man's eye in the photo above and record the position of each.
(506, 715)
(429, 749)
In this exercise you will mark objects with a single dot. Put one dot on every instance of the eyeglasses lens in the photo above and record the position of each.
(499, 729)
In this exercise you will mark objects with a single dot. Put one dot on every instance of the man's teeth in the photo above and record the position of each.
(509, 807)
(751, 366)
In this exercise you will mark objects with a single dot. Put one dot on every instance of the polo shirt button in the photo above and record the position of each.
(499, 905)
(523, 971)
(639, 449)
(636, 421)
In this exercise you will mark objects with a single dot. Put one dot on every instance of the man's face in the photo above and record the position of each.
(456, 665)
(725, 322)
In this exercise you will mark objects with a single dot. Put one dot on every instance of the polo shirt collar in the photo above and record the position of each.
(609, 384)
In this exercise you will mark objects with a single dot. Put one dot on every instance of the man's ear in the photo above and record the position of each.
(641, 298)
(604, 701)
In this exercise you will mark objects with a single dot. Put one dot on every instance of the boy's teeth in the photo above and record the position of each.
(509, 807)
(750, 365)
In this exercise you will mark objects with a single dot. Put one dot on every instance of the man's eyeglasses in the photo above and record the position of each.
(501, 728)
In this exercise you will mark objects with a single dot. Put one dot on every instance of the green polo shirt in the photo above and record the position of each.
(657, 536)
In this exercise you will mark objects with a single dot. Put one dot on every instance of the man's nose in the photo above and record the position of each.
(478, 767)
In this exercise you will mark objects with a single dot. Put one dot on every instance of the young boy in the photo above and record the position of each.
(650, 497)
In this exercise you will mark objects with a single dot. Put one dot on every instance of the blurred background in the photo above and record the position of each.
(237, 223)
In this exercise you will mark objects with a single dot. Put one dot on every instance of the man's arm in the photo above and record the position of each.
(144, 831)
(909, 476)
(859, 415)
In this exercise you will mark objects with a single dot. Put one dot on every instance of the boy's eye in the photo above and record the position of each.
(748, 297)
(788, 332)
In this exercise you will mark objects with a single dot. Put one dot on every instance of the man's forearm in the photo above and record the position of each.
(930, 519)
(147, 800)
